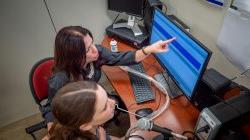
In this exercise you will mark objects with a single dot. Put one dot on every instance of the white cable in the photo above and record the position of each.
(242, 74)
(158, 85)
(127, 111)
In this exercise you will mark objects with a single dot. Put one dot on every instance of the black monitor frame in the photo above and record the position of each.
(129, 12)
(195, 40)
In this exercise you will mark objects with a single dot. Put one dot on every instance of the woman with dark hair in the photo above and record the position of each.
(77, 58)
(80, 108)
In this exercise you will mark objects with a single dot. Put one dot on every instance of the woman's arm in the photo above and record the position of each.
(106, 57)
(157, 47)
(130, 57)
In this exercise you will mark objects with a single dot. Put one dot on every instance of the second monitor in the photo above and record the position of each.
(134, 8)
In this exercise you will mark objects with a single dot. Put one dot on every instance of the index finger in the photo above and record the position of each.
(169, 40)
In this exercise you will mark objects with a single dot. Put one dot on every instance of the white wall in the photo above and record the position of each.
(91, 14)
(27, 36)
(205, 21)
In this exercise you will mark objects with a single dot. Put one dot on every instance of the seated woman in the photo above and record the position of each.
(80, 108)
(77, 58)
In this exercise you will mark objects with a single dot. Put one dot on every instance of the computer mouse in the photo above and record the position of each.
(143, 112)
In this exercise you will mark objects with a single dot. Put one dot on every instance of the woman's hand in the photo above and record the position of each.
(159, 46)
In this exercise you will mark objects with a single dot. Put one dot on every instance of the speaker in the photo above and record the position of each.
(148, 12)
(212, 85)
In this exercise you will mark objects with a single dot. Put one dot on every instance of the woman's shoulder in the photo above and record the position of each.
(58, 79)
(61, 75)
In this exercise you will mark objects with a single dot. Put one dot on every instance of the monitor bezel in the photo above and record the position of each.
(128, 13)
(194, 39)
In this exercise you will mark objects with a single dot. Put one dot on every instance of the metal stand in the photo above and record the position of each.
(130, 24)
(169, 84)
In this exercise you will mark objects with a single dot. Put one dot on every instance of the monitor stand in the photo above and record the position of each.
(169, 84)
(131, 24)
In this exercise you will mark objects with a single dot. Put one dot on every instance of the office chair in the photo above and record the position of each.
(38, 81)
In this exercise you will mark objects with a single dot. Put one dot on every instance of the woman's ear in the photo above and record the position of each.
(86, 127)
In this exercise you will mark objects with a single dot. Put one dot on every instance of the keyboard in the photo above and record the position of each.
(141, 87)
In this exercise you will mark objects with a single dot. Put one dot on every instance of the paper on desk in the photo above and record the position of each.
(234, 39)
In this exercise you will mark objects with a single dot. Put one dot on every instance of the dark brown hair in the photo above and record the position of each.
(72, 106)
(70, 50)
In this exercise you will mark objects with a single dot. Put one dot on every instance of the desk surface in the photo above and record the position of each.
(179, 117)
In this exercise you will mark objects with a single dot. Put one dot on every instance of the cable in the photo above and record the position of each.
(245, 71)
(116, 18)
(168, 83)
(165, 6)
(44, 1)
(137, 136)
(159, 102)
(121, 109)
(202, 129)
(166, 79)
(159, 86)
(139, 19)
(130, 130)
(155, 4)
(150, 65)
(195, 137)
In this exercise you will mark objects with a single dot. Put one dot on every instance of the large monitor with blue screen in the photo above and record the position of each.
(186, 59)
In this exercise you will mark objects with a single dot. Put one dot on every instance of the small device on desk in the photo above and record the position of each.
(127, 35)
(212, 86)
(141, 87)
(132, 8)
(128, 31)
(223, 120)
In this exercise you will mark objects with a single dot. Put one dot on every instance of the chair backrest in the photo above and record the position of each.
(38, 79)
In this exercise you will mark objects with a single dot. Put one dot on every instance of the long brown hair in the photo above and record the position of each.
(72, 106)
(69, 51)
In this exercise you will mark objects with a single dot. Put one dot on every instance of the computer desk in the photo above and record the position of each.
(179, 117)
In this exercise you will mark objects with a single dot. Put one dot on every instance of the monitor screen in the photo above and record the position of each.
(216, 2)
(131, 7)
(186, 59)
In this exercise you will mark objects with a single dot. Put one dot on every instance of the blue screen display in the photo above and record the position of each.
(186, 59)
(217, 2)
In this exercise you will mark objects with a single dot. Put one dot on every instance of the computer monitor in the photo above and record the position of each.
(187, 58)
(130, 7)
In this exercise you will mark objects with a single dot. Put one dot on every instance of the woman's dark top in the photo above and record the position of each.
(106, 57)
